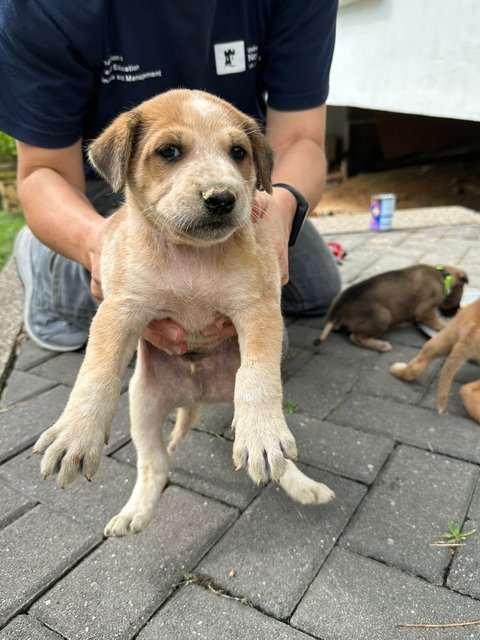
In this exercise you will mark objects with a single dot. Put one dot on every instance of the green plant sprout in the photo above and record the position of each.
(289, 406)
(454, 535)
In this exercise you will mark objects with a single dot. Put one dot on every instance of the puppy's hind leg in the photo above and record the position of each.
(455, 360)
(372, 321)
(303, 489)
(147, 414)
(370, 343)
(437, 347)
(470, 395)
(186, 418)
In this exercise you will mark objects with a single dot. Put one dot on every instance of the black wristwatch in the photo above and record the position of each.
(300, 213)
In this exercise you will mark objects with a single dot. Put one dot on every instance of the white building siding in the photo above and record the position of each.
(409, 56)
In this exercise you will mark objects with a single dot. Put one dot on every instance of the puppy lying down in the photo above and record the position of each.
(458, 341)
(183, 246)
(367, 309)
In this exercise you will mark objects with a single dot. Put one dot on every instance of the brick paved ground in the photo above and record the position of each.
(224, 559)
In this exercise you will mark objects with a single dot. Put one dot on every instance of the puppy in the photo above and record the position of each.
(183, 246)
(367, 309)
(459, 340)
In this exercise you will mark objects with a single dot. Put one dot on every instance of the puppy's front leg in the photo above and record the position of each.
(74, 444)
(262, 438)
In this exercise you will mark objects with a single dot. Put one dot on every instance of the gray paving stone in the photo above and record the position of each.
(348, 452)
(396, 259)
(321, 384)
(215, 418)
(22, 386)
(114, 591)
(203, 463)
(197, 613)
(20, 426)
(92, 504)
(62, 369)
(468, 373)
(120, 433)
(408, 508)
(12, 504)
(338, 348)
(465, 570)
(27, 628)
(406, 334)
(390, 239)
(277, 545)
(449, 434)
(29, 355)
(377, 381)
(36, 550)
(446, 252)
(359, 598)
(454, 405)
(295, 360)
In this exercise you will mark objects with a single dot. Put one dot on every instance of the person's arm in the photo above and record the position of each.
(51, 188)
(298, 142)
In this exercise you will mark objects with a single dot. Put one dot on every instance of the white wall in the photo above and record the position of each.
(409, 56)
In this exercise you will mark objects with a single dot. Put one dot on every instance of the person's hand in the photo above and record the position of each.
(268, 207)
(168, 336)
(95, 250)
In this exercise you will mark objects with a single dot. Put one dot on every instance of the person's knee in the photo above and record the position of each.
(314, 276)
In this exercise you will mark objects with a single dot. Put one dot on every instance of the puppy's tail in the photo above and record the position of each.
(330, 320)
(325, 331)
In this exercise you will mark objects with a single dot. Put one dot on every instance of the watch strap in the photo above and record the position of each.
(300, 213)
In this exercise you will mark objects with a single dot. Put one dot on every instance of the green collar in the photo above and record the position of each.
(447, 280)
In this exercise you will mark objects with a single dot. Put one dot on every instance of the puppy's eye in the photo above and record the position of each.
(238, 153)
(169, 152)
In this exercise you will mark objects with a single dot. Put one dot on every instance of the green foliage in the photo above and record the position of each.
(454, 535)
(289, 406)
(10, 223)
(8, 150)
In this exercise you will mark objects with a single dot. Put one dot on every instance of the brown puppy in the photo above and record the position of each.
(460, 341)
(183, 246)
(367, 309)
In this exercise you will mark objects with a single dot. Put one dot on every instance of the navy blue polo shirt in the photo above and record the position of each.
(67, 68)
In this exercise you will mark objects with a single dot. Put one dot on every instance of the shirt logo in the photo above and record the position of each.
(230, 57)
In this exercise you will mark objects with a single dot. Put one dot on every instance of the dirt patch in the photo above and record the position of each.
(440, 184)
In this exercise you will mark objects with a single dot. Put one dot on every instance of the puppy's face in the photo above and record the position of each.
(451, 303)
(190, 163)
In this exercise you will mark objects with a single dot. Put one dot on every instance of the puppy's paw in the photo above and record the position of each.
(70, 449)
(128, 522)
(400, 370)
(383, 346)
(263, 450)
(442, 405)
(303, 489)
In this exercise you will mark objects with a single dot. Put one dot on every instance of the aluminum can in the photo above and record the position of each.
(382, 208)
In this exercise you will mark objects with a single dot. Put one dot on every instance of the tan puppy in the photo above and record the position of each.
(183, 246)
(460, 341)
(367, 309)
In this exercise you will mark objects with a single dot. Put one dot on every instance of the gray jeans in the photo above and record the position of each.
(314, 276)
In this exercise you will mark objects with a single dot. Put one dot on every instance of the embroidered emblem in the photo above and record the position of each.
(230, 57)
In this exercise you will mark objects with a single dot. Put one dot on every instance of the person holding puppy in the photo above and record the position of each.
(67, 71)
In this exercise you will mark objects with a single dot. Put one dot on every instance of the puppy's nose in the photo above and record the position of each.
(219, 201)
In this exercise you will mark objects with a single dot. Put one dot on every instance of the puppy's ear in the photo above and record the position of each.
(462, 276)
(262, 155)
(110, 153)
